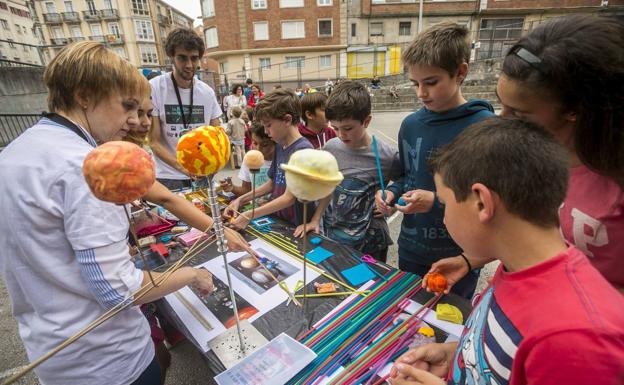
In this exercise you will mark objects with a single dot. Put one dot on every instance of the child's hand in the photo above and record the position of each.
(453, 269)
(433, 358)
(384, 205)
(409, 375)
(311, 226)
(226, 185)
(235, 241)
(203, 282)
(417, 201)
(241, 221)
(232, 209)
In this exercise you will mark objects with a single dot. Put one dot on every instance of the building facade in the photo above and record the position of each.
(378, 30)
(21, 42)
(134, 29)
(285, 42)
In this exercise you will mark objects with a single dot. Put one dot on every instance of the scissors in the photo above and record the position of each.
(367, 258)
(291, 296)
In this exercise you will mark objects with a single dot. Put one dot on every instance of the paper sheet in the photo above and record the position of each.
(258, 293)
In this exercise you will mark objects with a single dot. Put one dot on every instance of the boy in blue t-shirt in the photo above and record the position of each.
(279, 112)
(437, 61)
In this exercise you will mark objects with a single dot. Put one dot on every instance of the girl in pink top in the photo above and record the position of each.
(568, 78)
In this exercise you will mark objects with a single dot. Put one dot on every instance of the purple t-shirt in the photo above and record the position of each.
(294, 213)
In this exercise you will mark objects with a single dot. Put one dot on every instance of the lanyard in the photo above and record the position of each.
(66, 123)
(175, 86)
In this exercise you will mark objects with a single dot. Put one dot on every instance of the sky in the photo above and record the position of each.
(190, 7)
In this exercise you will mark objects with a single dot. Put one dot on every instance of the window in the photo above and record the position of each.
(376, 29)
(353, 29)
(265, 63)
(208, 9)
(258, 4)
(325, 27)
(291, 3)
(50, 8)
(69, 6)
(91, 7)
(140, 7)
(25, 30)
(405, 28)
(223, 67)
(11, 44)
(293, 30)
(5, 24)
(325, 61)
(261, 30)
(108, 4)
(121, 52)
(324, 3)
(294, 61)
(497, 35)
(57, 33)
(148, 54)
(113, 29)
(96, 29)
(76, 31)
(144, 30)
(212, 39)
(19, 30)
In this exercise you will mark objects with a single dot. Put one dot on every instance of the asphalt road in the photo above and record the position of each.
(187, 364)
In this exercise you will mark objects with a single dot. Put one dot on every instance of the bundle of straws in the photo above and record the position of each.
(364, 335)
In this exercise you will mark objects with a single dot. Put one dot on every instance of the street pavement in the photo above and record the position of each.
(187, 366)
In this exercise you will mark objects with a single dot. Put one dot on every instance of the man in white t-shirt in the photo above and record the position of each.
(181, 103)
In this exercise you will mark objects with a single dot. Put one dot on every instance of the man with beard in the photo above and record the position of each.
(181, 103)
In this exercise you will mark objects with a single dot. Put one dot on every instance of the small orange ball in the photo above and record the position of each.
(119, 172)
(204, 150)
(436, 282)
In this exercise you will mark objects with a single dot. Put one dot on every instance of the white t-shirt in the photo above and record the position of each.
(167, 110)
(64, 258)
(261, 177)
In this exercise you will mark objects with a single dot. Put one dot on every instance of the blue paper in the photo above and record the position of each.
(316, 241)
(358, 274)
(319, 254)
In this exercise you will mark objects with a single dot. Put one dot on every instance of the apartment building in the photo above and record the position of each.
(286, 42)
(134, 29)
(378, 30)
(16, 28)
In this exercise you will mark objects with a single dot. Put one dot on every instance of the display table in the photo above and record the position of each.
(290, 319)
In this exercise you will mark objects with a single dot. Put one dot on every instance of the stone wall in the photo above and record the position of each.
(22, 90)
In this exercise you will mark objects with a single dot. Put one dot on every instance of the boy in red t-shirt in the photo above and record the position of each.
(548, 316)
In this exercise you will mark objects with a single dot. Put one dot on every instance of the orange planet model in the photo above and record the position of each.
(119, 172)
(253, 159)
(204, 150)
(436, 282)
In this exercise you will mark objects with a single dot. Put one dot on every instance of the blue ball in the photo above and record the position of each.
(401, 202)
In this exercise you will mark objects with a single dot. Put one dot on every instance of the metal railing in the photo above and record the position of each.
(108, 14)
(52, 18)
(13, 125)
(71, 17)
(91, 15)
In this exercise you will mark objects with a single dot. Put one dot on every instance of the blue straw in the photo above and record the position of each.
(383, 188)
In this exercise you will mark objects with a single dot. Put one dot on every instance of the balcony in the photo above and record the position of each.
(74, 39)
(91, 15)
(98, 38)
(113, 39)
(52, 18)
(164, 20)
(59, 41)
(109, 14)
(71, 17)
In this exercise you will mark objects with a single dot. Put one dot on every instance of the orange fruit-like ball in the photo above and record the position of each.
(119, 172)
(204, 150)
(436, 282)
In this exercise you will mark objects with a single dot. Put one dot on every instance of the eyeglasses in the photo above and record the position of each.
(528, 57)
